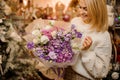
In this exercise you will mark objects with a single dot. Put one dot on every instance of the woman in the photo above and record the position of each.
(94, 59)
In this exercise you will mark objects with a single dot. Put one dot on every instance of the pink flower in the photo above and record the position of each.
(47, 33)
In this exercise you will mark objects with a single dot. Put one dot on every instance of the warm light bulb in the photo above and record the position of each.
(119, 17)
(25, 2)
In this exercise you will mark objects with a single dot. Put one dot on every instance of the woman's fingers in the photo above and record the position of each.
(87, 43)
(89, 40)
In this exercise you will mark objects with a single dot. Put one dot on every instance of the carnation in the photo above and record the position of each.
(55, 46)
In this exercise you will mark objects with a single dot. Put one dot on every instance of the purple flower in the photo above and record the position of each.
(60, 33)
(59, 60)
(47, 58)
(67, 39)
(41, 55)
(60, 56)
(57, 49)
(30, 45)
(38, 52)
(78, 34)
(52, 55)
(69, 57)
(73, 26)
(68, 35)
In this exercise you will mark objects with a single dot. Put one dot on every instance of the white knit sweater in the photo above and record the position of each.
(94, 62)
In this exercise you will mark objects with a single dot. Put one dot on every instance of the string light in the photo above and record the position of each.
(119, 17)
(25, 2)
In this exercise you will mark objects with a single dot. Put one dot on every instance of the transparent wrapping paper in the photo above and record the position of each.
(40, 23)
(58, 45)
(60, 65)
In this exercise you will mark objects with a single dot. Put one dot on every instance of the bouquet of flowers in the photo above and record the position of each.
(55, 46)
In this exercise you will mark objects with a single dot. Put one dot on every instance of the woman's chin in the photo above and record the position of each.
(85, 20)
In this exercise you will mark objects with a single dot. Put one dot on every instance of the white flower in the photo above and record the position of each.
(48, 27)
(36, 33)
(36, 40)
(53, 34)
(52, 55)
(75, 45)
(44, 39)
(115, 75)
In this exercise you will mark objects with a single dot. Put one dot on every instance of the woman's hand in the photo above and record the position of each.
(86, 43)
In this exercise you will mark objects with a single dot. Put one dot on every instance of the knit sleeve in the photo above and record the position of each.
(96, 61)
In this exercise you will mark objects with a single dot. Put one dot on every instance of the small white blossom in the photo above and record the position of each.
(44, 39)
(36, 33)
(36, 40)
(75, 46)
(53, 34)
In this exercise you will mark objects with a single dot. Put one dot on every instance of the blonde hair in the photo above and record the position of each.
(97, 11)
